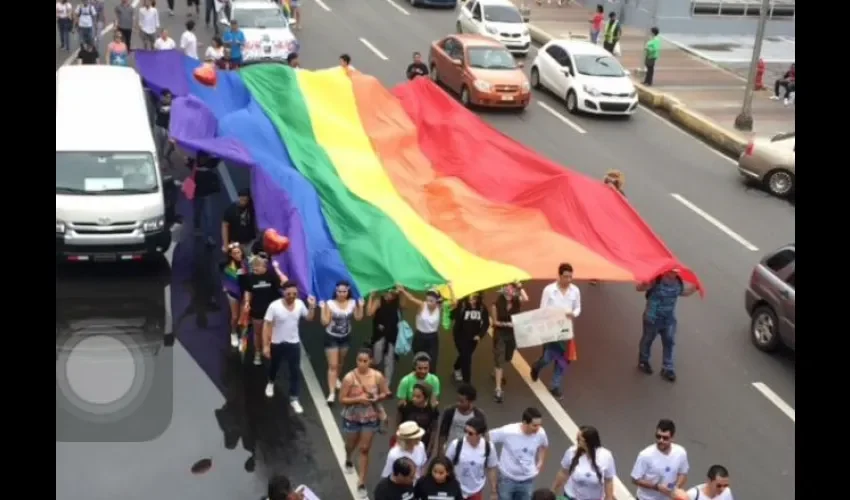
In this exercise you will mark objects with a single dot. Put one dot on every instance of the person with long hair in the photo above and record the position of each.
(117, 51)
(424, 412)
(363, 388)
(385, 310)
(438, 482)
(232, 272)
(408, 444)
(471, 322)
(508, 303)
(475, 459)
(338, 316)
(260, 288)
(587, 469)
(426, 338)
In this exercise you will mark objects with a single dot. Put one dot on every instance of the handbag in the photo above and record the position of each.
(404, 341)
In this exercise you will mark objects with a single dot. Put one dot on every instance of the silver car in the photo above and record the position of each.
(770, 300)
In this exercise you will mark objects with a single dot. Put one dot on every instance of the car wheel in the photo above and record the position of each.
(572, 102)
(435, 76)
(764, 329)
(779, 182)
(465, 97)
(459, 27)
(535, 77)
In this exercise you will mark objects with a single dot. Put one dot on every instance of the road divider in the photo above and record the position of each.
(566, 121)
(774, 398)
(374, 49)
(714, 222)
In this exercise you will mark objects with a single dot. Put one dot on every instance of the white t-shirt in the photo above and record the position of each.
(428, 321)
(518, 459)
(63, 10)
(213, 54)
(657, 467)
(342, 318)
(86, 15)
(285, 321)
(189, 44)
(583, 483)
(418, 456)
(569, 300)
(148, 20)
(696, 493)
(164, 44)
(471, 471)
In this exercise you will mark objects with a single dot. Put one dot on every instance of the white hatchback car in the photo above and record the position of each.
(586, 76)
(497, 19)
(267, 30)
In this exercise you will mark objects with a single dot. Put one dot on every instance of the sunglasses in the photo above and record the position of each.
(662, 437)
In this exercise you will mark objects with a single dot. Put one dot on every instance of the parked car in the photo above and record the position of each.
(480, 70)
(585, 76)
(500, 20)
(770, 162)
(268, 36)
(770, 300)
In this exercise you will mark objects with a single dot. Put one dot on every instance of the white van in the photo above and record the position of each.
(110, 202)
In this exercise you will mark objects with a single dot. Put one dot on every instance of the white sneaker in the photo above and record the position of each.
(786, 101)
(332, 397)
(458, 376)
(257, 359)
(234, 340)
(269, 390)
(338, 384)
(296, 407)
(774, 98)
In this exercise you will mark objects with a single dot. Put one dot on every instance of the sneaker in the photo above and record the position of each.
(170, 13)
(668, 375)
(349, 467)
(296, 407)
(269, 390)
(332, 397)
(338, 384)
(645, 367)
(362, 493)
(234, 340)
(556, 393)
(774, 98)
(499, 396)
(458, 376)
(535, 374)
(258, 361)
(786, 101)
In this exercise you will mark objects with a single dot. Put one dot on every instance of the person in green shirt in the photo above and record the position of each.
(651, 53)
(421, 373)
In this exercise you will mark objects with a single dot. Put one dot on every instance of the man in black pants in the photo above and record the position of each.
(210, 15)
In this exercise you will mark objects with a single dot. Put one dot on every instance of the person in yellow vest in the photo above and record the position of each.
(612, 33)
(651, 53)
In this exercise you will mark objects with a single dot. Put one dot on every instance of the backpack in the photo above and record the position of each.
(404, 341)
(657, 281)
(459, 447)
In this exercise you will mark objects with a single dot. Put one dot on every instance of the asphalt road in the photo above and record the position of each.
(721, 417)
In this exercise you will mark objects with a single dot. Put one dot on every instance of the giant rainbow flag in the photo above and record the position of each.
(380, 186)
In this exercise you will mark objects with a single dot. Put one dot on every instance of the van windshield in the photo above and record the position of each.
(105, 173)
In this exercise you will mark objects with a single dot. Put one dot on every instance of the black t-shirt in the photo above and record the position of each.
(163, 115)
(426, 418)
(428, 489)
(88, 56)
(388, 490)
(206, 177)
(264, 289)
(416, 69)
(241, 222)
(385, 321)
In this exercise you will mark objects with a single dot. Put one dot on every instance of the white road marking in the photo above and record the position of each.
(105, 31)
(716, 223)
(398, 7)
(689, 136)
(323, 5)
(374, 49)
(776, 400)
(552, 111)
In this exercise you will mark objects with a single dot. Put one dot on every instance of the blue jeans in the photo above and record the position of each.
(65, 26)
(515, 490)
(205, 217)
(667, 331)
(594, 36)
(85, 35)
(557, 356)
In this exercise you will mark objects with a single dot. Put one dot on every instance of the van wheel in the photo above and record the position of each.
(465, 97)
(435, 76)
(459, 27)
(764, 329)
(572, 102)
(535, 78)
(780, 183)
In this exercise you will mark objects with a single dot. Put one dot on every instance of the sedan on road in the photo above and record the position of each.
(585, 76)
(770, 300)
(480, 70)
(267, 30)
(500, 20)
(771, 163)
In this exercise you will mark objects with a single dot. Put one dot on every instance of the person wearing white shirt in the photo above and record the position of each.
(215, 51)
(716, 488)
(661, 468)
(282, 341)
(148, 24)
(587, 469)
(523, 454)
(164, 42)
(64, 10)
(188, 40)
(85, 16)
(474, 458)
(563, 294)
(408, 445)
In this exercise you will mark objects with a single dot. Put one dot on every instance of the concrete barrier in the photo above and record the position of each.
(725, 140)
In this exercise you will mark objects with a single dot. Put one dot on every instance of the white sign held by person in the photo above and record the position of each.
(540, 326)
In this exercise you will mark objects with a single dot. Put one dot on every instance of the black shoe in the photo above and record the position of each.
(535, 373)
(645, 367)
(250, 464)
(668, 375)
(556, 393)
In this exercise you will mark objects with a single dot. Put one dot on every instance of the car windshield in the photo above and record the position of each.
(491, 58)
(105, 173)
(598, 66)
(501, 14)
(260, 18)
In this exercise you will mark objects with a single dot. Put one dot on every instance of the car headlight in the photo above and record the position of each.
(590, 90)
(482, 86)
(153, 225)
(491, 30)
(526, 87)
(60, 227)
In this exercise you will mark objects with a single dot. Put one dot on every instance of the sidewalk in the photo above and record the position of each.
(699, 96)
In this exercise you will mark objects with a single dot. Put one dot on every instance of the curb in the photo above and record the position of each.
(668, 106)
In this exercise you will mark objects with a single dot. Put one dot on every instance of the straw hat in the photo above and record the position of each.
(409, 430)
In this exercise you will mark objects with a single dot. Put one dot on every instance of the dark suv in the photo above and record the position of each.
(770, 300)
